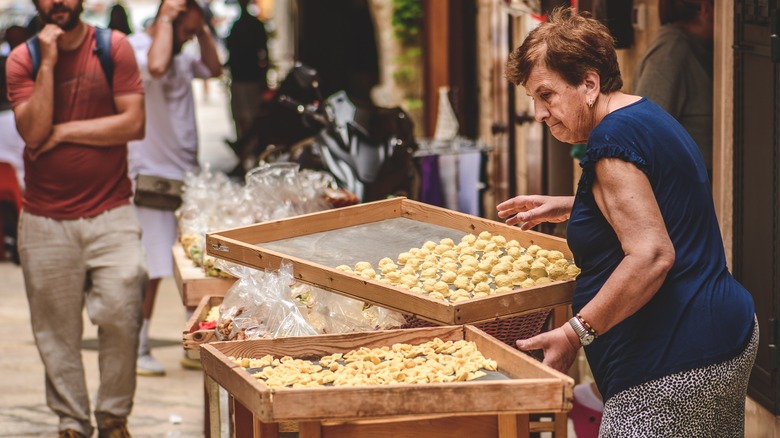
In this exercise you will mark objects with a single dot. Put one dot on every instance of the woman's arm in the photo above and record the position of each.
(535, 209)
(625, 197)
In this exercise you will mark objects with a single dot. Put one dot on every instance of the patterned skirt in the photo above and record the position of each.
(703, 402)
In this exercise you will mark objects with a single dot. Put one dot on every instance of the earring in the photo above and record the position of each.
(590, 103)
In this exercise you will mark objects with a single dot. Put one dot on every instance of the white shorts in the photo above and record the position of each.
(160, 230)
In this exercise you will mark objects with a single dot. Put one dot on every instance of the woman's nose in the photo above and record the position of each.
(540, 112)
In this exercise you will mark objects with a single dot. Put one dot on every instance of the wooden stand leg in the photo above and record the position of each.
(243, 420)
(267, 430)
(513, 426)
(212, 407)
(561, 425)
(309, 429)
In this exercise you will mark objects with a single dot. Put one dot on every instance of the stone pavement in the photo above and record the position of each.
(170, 406)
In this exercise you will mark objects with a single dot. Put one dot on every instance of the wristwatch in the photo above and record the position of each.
(586, 334)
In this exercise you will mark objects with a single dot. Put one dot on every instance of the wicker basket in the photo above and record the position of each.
(506, 330)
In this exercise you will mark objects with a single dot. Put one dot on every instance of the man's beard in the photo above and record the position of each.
(72, 20)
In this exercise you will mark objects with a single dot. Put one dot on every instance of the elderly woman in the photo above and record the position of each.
(669, 334)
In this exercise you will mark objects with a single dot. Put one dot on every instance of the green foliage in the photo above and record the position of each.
(407, 20)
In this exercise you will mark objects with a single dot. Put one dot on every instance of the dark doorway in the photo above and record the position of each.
(336, 37)
(756, 180)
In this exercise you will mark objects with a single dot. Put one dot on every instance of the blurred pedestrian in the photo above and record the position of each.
(11, 143)
(118, 19)
(170, 147)
(676, 70)
(79, 239)
(247, 46)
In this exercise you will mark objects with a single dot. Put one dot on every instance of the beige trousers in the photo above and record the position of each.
(67, 264)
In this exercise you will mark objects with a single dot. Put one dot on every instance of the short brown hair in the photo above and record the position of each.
(570, 45)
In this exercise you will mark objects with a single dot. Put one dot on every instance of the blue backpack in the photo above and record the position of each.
(102, 50)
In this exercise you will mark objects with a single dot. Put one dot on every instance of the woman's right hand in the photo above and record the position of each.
(532, 210)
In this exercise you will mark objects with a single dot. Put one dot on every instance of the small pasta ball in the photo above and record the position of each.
(429, 273)
(500, 241)
(368, 273)
(532, 250)
(542, 253)
(428, 265)
(388, 268)
(526, 258)
(492, 257)
(482, 287)
(517, 277)
(423, 252)
(542, 280)
(461, 298)
(554, 256)
(414, 251)
(408, 270)
(394, 277)
(468, 251)
(448, 242)
(514, 252)
(409, 280)
(528, 282)
(467, 271)
(563, 263)
(432, 258)
(403, 258)
(429, 245)
(417, 290)
(450, 254)
(441, 287)
(468, 238)
(503, 290)
(344, 268)
(538, 270)
(542, 260)
(462, 282)
(360, 266)
(448, 276)
(490, 247)
(480, 294)
(555, 272)
(413, 263)
(440, 249)
(428, 284)
(503, 280)
(436, 295)
(485, 235)
(479, 277)
(521, 266)
(447, 260)
(500, 268)
(572, 271)
(384, 261)
(450, 267)
(472, 262)
(484, 265)
(506, 259)
(513, 244)
(480, 244)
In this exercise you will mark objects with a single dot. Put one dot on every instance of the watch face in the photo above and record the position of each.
(587, 338)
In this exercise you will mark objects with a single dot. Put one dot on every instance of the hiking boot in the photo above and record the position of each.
(148, 366)
(70, 433)
(114, 428)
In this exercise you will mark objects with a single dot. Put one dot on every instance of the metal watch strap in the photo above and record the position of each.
(579, 329)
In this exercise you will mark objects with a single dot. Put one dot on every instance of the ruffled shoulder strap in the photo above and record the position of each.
(594, 153)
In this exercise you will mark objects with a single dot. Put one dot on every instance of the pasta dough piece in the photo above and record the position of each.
(479, 277)
(514, 252)
(538, 270)
(385, 261)
(472, 262)
(403, 258)
(542, 280)
(448, 242)
(572, 271)
(429, 245)
(361, 266)
(503, 280)
(428, 284)
(485, 235)
(480, 244)
(440, 249)
(500, 268)
(467, 271)
(388, 268)
(503, 290)
(483, 287)
(468, 238)
(542, 253)
(531, 251)
(555, 271)
(500, 241)
(528, 282)
(554, 256)
(448, 276)
(517, 277)
(344, 268)
(429, 273)
(462, 282)
(368, 273)
(442, 288)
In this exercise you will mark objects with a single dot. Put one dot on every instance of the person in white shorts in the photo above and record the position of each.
(170, 147)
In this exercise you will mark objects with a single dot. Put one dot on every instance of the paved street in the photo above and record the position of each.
(170, 406)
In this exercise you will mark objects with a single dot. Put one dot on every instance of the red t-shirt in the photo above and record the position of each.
(74, 180)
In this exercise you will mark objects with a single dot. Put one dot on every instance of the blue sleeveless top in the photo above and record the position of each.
(701, 315)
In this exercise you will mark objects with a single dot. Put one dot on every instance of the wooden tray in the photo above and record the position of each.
(266, 245)
(529, 386)
(192, 282)
(193, 336)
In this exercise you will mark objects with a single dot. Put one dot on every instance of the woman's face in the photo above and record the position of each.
(563, 107)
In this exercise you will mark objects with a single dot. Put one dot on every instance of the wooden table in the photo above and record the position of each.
(192, 282)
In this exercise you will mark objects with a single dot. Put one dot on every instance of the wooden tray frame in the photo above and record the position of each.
(192, 336)
(239, 245)
(532, 387)
(192, 282)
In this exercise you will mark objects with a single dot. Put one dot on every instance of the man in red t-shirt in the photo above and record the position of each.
(79, 239)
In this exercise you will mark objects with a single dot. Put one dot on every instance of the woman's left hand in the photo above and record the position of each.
(560, 350)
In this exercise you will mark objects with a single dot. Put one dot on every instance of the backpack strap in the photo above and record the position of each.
(34, 47)
(102, 50)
